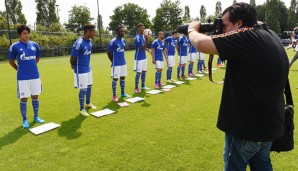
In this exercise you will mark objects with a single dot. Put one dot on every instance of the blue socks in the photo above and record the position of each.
(157, 77)
(82, 95)
(178, 71)
(122, 85)
(143, 78)
(183, 70)
(23, 108)
(169, 74)
(114, 84)
(88, 94)
(190, 66)
(35, 104)
(137, 80)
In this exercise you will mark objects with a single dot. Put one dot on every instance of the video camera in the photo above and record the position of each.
(215, 27)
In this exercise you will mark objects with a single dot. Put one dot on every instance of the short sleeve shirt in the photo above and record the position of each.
(82, 51)
(117, 47)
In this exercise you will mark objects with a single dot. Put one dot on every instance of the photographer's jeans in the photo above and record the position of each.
(239, 153)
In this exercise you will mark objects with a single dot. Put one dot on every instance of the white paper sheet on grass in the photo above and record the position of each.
(123, 104)
(153, 92)
(178, 82)
(200, 75)
(190, 78)
(44, 128)
(213, 69)
(135, 99)
(168, 87)
(102, 113)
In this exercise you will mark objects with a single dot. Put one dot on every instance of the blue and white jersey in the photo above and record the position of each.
(116, 46)
(171, 44)
(82, 51)
(183, 44)
(25, 54)
(192, 49)
(158, 47)
(296, 36)
(139, 42)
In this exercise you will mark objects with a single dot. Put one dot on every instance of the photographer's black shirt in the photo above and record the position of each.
(252, 104)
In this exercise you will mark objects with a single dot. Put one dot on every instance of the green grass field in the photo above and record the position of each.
(170, 131)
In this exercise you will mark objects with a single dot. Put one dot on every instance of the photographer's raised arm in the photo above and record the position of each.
(201, 41)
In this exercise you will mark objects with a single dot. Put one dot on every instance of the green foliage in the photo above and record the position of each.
(272, 15)
(14, 10)
(46, 14)
(129, 16)
(168, 16)
(203, 13)
(78, 17)
(218, 9)
(283, 17)
(234, 1)
(261, 11)
(253, 3)
(186, 17)
(293, 15)
(3, 23)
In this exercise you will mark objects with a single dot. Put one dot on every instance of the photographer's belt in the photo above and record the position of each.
(210, 70)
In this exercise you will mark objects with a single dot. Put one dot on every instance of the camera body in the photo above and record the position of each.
(215, 27)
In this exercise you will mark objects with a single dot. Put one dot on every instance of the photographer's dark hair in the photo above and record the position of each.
(88, 27)
(118, 28)
(242, 11)
(21, 28)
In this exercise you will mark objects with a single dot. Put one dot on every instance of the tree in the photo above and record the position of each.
(14, 11)
(283, 17)
(3, 21)
(186, 17)
(203, 13)
(218, 9)
(272, 15)
(292, 20)
(168, 16)
(234, 1)
(78, 17)
(253, 3)
(128, 16)
(46, 14)
(261, 10)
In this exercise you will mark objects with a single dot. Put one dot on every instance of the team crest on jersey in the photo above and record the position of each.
(33, 48)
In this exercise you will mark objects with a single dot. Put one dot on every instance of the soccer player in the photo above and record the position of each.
(192, 57)
(201, 63)
(157, 53)
(80, 63)
(295, 46)
(140, 62)
(117, 57)
(182, 46)
(27, 54)
(171, 44)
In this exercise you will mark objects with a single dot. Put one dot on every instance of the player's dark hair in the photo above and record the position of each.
(242, 11)
(88, 27)
(21, 28)
(174, 32)
(140, 24)
(118, 28)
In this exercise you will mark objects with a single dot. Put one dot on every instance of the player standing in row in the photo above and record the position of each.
(140, 62)
(192, 57)
(80, 63)
(201, 62)
(27, 53)
(182, 46)
(116, 55)
(158, 52)
(171, 43)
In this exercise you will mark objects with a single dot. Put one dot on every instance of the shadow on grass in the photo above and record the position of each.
(12, 136)
(69, 129)
(113, 105)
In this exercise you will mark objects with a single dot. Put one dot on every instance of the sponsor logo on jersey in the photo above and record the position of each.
(119, 49)
(24, 57)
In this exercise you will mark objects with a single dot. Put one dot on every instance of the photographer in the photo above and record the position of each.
(252, 106)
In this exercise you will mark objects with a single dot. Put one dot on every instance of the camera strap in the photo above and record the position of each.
(210, 70)
(288, 93)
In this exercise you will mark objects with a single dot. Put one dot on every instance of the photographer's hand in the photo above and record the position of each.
(201, 41)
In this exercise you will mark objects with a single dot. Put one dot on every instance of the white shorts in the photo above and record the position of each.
(82, 81)
(28, 88)
(201, 56)
(140, 65)
(171, 61)
(159, 64)
(118, 71)
(182, 59)
(192, 57)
